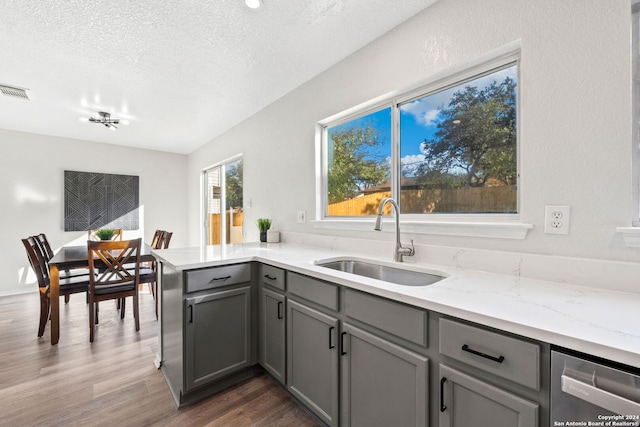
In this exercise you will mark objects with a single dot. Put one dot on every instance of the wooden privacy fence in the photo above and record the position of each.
(214, 226)
(450, 200)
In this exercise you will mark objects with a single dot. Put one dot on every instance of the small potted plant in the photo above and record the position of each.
(263, 225)
(105, 234)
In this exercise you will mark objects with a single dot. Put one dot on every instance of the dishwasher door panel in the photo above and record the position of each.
(585, 391)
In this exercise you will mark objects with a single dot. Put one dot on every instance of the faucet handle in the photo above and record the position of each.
(412, 249)
(405, 251)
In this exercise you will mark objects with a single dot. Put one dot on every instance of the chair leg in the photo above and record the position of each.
(92, 315)
(155, 293)
(66, 298)
(44, 314)
(136, 311)
(97, 311)
(122, 303)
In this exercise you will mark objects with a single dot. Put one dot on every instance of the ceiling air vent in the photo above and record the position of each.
(16, 92)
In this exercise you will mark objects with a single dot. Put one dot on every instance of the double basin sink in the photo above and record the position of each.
(386, 273)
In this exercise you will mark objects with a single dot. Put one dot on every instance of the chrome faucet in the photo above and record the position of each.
(399, 251)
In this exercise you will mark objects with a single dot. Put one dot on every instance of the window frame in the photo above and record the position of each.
(509, 56)
(635, 109)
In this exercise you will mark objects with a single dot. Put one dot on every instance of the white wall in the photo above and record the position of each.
(575, 123)
(32, 194)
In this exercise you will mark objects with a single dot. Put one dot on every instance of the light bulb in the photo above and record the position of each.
(253, 4)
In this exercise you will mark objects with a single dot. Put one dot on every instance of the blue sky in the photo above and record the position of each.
(419, 118)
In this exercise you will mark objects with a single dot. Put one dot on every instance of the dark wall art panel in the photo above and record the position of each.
(94, 200)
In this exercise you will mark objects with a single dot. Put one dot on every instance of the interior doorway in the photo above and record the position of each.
(224, 212)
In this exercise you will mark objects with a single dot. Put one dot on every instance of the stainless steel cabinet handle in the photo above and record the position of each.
(220, 278)
(190, 313)
(597, 396)
(266, 276)
(331, 344)
(486, 356)
(279, 309)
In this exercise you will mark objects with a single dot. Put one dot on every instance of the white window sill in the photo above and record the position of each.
(495, 230)
(631, 236)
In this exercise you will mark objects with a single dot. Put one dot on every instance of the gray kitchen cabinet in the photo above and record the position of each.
(468, 401)
(382, 384)
(312, 360)
(217, 335)
(208, 333)
(272, 333)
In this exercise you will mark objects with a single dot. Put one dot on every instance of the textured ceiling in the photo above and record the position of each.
(181, 71)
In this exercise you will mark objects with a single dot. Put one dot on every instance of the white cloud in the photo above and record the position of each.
(423, 112)
(411, 162)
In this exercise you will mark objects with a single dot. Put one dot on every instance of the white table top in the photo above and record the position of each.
(600, 322)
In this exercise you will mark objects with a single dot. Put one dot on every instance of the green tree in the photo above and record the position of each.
(234, 184)
(477, 135)
(355, 163)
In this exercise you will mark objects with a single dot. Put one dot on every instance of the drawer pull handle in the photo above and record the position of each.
(215, 279)
(266, 276)
(331, 344)
(443, 407)
(343, 352)
(486, 356)
(279, 309)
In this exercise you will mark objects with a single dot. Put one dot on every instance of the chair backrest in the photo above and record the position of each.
(110, 262)
(158, 238)
(45, 247)
(37, 261)
(167, 238)
(91, 234)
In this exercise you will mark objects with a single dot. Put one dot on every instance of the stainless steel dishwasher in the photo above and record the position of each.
(586, 392)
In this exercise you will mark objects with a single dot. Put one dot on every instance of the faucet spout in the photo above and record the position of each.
(399, 250)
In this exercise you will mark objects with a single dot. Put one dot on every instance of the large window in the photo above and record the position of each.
(223, 203)
(359, 155)
(453, 151)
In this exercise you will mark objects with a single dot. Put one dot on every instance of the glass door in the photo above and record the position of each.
(223, 203)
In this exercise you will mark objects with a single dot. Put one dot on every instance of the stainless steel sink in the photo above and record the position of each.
(400, 276)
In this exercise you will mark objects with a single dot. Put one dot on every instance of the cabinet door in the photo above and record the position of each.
(217, 335)
(312, 360)
(467, 401)
(382, 384)
(272, 333)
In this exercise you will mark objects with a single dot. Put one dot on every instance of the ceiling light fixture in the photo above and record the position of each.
(106, 120)
(253, 4)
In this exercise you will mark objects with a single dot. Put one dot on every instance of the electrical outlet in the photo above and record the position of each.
(556, 219)
(302, 217)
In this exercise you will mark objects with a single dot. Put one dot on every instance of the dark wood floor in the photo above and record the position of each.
(112, 381)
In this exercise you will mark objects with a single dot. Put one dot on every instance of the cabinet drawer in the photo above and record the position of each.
(317, 291)
(216, 277)
(510, 358)
(398, 319)
(273, 276)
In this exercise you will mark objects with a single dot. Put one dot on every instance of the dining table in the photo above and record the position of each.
(69, 258)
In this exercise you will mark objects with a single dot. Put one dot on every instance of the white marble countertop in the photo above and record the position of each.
(600, 322)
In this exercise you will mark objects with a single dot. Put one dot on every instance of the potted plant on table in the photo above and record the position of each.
(263, 225)
(105, 234)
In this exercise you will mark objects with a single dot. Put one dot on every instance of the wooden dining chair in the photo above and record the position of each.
(68, 286)
(47, 252)
(91, 234)
(166, 237)
(110, 278)
(149, 272)
(158, 238)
